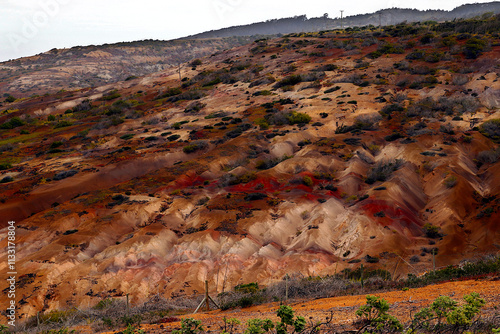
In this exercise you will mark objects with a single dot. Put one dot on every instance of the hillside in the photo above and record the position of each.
(390, 16)
(305, 155)
(94, 66)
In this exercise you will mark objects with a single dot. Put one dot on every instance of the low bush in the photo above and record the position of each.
(491, 129)
(194, 107)
(6, 179)
(450, 181)
(5, 166)
(431, 231)
(189, 95)
(64, 175)
(14, 122)
(474, 47)
(298, 118)
(62, 124)
(394, 136)
(111, 95)
(195, 146)
(169, 93)
(383, 170)
(373, 317)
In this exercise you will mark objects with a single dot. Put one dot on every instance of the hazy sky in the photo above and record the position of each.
(28, 27)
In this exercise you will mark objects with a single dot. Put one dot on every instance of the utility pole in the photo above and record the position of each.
(206, 300)
(342, 19)
(380, 20)
(180, 76)
(286, 288)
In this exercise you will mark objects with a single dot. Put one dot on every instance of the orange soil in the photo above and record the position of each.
(343, 308)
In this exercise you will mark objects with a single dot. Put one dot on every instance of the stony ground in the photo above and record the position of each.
(343, 308)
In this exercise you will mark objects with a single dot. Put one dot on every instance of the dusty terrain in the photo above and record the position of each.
(152, 186)
(342, 309)
(94, 66)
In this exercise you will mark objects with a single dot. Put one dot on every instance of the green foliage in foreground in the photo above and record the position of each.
(442, 315)
(189, 326)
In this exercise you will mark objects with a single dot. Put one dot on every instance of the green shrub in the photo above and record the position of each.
(443, 309)
(333, 89)
(474, 47)
(127, 136)
(102, 304)
(189, 95)
(262, 123)
(14, 122)
(290, 80)
(390, 108)
(383, 170)
(111, 95)
(394, 136)
(189, 326)
(431, 231)
(56, 144)
(62, 124)
(259, 326)
(169, 93)
(196, 62)
(10, 99)
(132, 330)
(132, 319)
(6, 179)
(57, 316)
(298, 118)
(247, 288)
(196, 146)
(374, 317)
(491, 129)
(450, 181)
(5, 166)
(173, 137)
(307, 181)
(286, 315)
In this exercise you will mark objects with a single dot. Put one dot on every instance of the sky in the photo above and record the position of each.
(29, 27)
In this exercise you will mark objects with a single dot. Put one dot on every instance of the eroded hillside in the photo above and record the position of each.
(93, 66)
(306, 154)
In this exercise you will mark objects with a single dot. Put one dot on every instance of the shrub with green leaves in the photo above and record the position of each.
(431, 231)
(196, 146)
(298, 118)
(383, 170)
(491, 129)
(474, 47)
(445, 310)
(14, 122)
(259, 326)
(374, 316)
(189, 326)
(10, 99)
(132, 330)
(229, 325)
(450, 181)
(5, 166)
(286, 314)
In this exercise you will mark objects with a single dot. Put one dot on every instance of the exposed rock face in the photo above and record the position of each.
(94, 66)
(139, 191)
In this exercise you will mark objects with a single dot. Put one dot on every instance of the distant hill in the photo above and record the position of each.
(390, 16)
(96, 65)
(93, 66)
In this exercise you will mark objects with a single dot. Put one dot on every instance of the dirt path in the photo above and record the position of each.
(343, 308)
